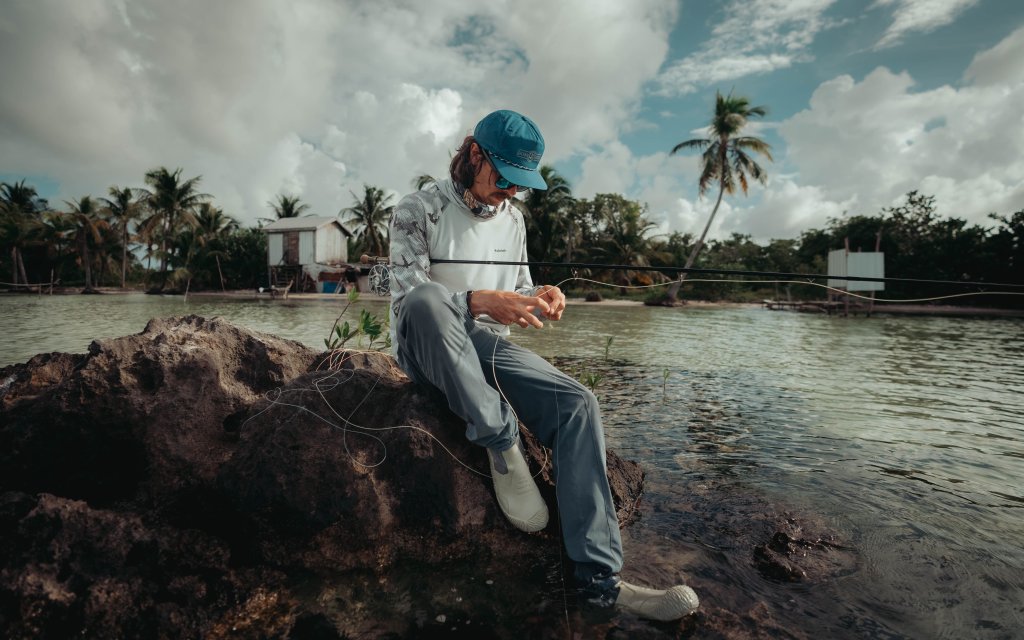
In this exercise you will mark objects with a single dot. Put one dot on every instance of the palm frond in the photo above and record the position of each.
(754, 144)
(699, 143)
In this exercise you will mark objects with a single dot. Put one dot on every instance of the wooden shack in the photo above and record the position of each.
(298, 249)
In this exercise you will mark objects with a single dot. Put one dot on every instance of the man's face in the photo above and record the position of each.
(484, 188)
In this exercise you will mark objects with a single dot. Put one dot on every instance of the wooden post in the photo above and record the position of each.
(846, 288)
(878, 247)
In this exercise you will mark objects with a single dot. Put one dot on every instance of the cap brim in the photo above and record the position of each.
(517, 176)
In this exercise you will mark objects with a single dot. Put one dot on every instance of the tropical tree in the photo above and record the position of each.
(624, 234)
(724, 160)
(124, 206)
(287, 207)
(88, 226)
(57, 234)
(369, 218)
(1006, 247)
(172, 202)
(548, 223)
(212, 229)
(422, 181)
(245, 261)
(20, 208)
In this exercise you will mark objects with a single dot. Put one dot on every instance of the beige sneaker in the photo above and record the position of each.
(518, 495)
(655, 604)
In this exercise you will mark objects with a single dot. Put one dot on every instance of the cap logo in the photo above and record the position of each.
(529, 156)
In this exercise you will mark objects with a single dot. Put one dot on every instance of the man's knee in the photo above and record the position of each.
(428, 297)
(577, 400)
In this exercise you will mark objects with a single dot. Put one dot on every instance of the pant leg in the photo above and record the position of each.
(434, 347)
(565, 416)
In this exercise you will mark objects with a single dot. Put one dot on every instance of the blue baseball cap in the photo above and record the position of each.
(514, 145)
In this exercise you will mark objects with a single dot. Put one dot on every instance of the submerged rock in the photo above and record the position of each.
(203, 480)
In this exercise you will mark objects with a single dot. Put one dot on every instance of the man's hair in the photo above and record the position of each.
(461, 169)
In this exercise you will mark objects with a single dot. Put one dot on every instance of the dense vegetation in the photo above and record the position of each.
(170, 236)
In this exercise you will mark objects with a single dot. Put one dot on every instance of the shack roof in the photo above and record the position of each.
(305, 223)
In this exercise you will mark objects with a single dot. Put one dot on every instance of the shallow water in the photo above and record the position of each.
(905, 435)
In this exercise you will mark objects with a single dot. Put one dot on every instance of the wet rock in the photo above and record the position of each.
(202, 480)
(23, 381)
(801, 549)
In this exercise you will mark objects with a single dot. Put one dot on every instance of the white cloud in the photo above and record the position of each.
(756, 37)
(920, 16)
(999, 66)
(785, 210)
(659, 181)
(613, 170)
(870, 142)
(313, 97)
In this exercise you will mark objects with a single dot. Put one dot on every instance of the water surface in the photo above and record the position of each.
(905, 435)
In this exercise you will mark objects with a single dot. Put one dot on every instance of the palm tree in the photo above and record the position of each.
(422, 181)
(88, 229)
(123, 207)
(624, 237)
(173, 202)
(369, 217)
(19, 209)
(548, 223)
(287, 207)
(212, 228)
(724, 160)
(56, 233)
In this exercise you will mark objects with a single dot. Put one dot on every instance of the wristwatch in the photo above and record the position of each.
(469, 304)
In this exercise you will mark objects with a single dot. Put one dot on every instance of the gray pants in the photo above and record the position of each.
(438, 344)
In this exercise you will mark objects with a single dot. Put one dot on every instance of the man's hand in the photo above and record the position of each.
(508, 307)
(555, 299)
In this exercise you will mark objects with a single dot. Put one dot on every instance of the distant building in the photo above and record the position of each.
(299, 249)
(858, 265)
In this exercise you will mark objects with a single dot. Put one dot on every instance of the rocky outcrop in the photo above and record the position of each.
(202, 480)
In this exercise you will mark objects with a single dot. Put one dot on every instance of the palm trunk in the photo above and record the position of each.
(21, 268)
(673, 291)
(164, 250)
(86, 266)
(124, 256)
(220, 273)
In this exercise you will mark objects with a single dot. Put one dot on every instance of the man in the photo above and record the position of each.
(449, 323)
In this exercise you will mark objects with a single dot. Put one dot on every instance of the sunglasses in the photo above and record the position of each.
(501, 182)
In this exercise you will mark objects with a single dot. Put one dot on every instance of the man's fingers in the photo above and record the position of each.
(530, 318)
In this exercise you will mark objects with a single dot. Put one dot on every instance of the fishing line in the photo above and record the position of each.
(332, 381)
(798, 282)
(727, 272)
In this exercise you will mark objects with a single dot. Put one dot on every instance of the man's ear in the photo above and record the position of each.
(476, 156)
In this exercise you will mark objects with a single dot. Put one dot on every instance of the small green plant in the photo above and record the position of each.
(591, 379)
(607, 346)
(368, 325)
(664, 384)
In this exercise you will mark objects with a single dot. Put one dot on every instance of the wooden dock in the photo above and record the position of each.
(819, 306)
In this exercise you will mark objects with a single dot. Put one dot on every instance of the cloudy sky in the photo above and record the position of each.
(867, 99)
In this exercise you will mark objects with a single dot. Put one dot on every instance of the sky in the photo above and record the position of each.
(866, 99)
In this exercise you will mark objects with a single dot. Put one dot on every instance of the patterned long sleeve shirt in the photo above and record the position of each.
(434, 224)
